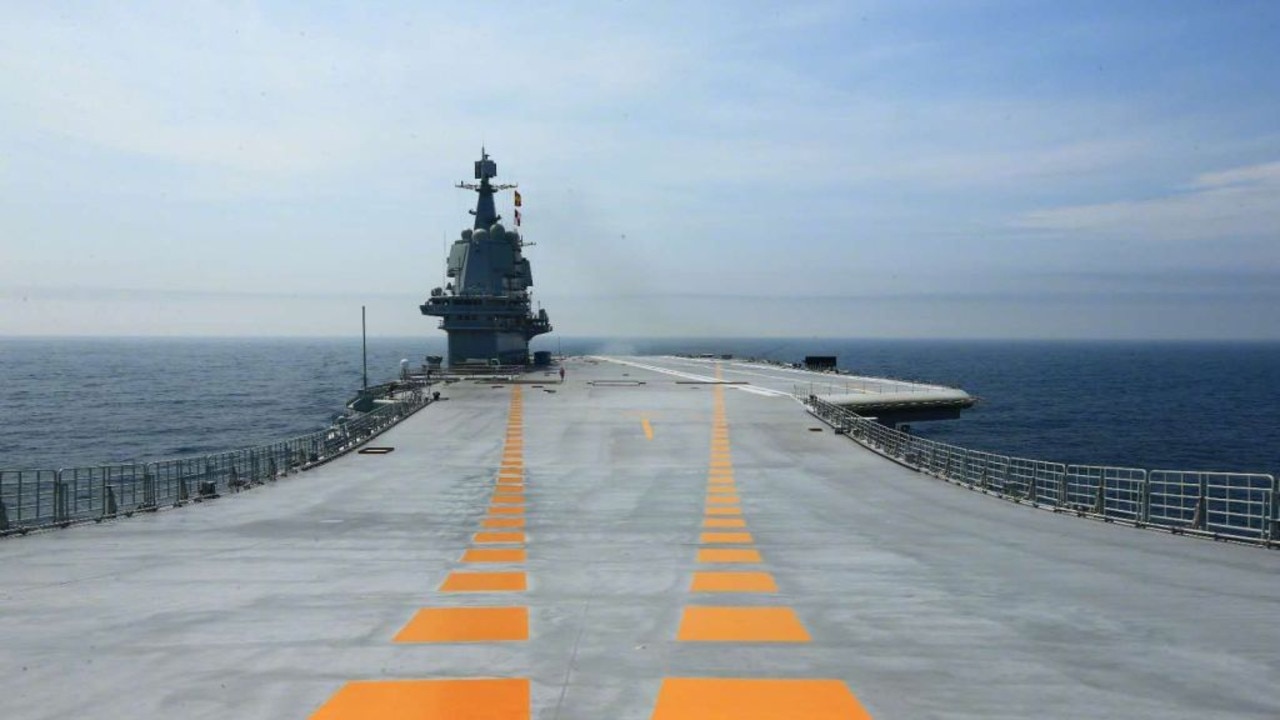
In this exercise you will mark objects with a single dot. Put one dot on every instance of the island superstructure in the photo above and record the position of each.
(485, 304)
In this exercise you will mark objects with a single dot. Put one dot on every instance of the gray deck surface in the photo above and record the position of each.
(925, 599)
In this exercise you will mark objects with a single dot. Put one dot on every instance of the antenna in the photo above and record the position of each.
(364, 348)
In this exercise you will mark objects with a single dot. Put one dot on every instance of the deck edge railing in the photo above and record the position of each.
(1241, 507)
(41, 498)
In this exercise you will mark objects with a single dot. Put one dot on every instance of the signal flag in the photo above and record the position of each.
(517, 198)
(517, 218)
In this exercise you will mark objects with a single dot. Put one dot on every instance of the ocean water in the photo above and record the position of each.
(1187, 406)
(73, 401)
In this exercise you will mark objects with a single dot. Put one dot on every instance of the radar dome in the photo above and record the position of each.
(497, 230)
(466, 234)
(479, 235)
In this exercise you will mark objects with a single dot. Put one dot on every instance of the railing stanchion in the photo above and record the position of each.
(1273, 527)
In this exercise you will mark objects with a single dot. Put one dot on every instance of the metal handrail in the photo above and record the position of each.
(42, 498)
(1243, 507)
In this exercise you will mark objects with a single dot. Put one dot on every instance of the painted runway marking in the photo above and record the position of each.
(714, 522)
(729, 538)
(502, 522)
(466, 624)
(756, 699)
(745, 582)
(734, 555)
(455, 699)
(723, 499)
(700, 378)
(498, 537)
(741, 624)
(494, 555)
(484, 582)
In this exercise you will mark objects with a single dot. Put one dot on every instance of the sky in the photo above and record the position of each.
(958, 169)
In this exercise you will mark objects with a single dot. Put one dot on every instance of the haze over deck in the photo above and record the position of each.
(1080, 170)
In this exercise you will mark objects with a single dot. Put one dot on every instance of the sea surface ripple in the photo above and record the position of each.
(1173, 405)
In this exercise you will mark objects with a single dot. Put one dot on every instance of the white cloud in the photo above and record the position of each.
(1233, 204)
(741, 148)
(238, 90)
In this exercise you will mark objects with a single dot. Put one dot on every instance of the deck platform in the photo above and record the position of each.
(637, 543)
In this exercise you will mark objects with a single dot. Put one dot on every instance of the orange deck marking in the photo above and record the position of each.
(484, 582)
(498, 537)
(741, 624)
(722, 499)
(508, 498)
(733, 582)
(728, 555)
(494, 555)
(753, 699)
(720, 471)
(506, 509)
(502, 522)
(724, 511)
(726, 537)
(720, 480)
(466, 624)
(722, 488)
(713, 522)
(470, 699)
